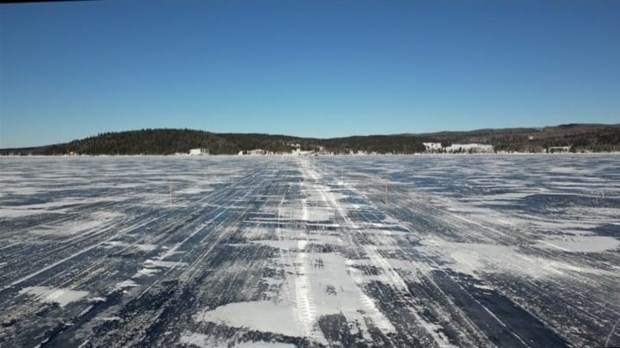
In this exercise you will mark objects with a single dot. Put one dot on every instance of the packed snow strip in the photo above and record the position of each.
(320, 285)
(61, 296)
(585, 244)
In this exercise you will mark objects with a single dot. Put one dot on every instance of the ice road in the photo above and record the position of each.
(368, 251)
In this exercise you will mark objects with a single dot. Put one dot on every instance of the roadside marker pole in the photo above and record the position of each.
(386, 188)
(170, 187)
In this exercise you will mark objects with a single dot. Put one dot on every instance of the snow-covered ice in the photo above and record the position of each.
(485, 250)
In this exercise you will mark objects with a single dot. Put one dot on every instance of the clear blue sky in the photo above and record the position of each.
(317, 68)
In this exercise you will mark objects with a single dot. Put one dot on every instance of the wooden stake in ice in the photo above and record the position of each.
(386, 188)
(170, 187)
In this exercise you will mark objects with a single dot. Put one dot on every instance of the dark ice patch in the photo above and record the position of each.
(337, 331)
(608, 230)
(503, 321)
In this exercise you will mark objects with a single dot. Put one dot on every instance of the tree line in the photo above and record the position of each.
(171, 141)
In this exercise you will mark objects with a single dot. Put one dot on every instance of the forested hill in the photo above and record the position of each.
(579, 137)
(171, 141)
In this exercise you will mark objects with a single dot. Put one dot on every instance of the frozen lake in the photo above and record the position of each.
(489, 250)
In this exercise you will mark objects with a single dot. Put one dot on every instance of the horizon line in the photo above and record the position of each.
(318, 138)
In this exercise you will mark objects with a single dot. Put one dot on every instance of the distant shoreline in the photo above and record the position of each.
(574, 138)
(489, 154)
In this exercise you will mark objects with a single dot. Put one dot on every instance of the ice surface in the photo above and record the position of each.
(487, 250)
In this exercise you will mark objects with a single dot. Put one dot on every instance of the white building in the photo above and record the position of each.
(458, 148)
(198, 152)
(432, 147)
(257, 152)
(469, 148)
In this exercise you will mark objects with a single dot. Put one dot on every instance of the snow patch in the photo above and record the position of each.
(61, 296)
(475, 258)
(584, 244)
(126, 284)
(266, 316)
(201, 340)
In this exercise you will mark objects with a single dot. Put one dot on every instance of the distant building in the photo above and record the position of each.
(198, 152)
(558, 149)
(432, 147)
(469, 148)
(257, 152)
(458, 148)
